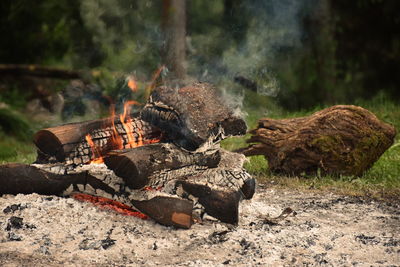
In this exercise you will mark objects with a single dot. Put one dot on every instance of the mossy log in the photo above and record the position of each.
(338, 140)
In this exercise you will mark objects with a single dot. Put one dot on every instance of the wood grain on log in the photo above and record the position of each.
(192, 115)
(67, 142)
(337, 140)
(16, 178)
(137, 164)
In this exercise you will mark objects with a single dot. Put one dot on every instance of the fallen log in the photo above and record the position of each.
(38, 71)
(137, 164)
(67, 142)
(338, 140)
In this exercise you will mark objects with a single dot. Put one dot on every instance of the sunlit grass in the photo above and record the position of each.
(14, 150)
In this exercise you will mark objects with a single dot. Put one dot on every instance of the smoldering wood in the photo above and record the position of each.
(17, 178)
(170, 211)
(137, 164)
(38, 71)
(341, 139)
(67, 142)
(193, 115)
(223, 205)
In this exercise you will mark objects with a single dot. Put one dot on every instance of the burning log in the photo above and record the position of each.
(137, 164)
(184, 176)
(337, 140)
(192, 116)
(67, 143)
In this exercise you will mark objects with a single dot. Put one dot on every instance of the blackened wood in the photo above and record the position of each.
(223, 205)
(337, 140)
(67, 142)
(192, 115)
(16, 178)
(38, 71)
(137, 164)
(249, 188)
(170, 211)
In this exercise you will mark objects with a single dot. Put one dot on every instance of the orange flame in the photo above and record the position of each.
(125, 120)
(132, 84)
(95, 151)
(116, 140)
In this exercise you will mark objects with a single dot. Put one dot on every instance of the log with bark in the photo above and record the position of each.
(137, 164)
(67, 143)
(338, 140)
(193, 115)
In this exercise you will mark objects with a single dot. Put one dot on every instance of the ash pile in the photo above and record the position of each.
(165, 162)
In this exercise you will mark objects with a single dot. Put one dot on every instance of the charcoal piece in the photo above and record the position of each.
(192, 115)
(14, 223)
(108, 242)
(137, 164)
(13, 207)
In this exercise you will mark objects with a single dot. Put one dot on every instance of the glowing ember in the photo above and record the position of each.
(95, 151)
(132, 84)
(109, 204)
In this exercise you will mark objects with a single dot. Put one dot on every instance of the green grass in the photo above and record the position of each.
(13, 149)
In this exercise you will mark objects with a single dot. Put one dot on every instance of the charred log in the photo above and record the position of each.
(337, 140)
(67, 142)
(170, 211)
(192, 115)
(18, 178)
(137, 164)
(223, 205)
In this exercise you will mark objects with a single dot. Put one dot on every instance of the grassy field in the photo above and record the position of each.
(381, 181)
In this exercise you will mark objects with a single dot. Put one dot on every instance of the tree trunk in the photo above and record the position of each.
(174, 28)
(337, 140)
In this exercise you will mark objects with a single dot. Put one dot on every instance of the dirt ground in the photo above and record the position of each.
(326, 229)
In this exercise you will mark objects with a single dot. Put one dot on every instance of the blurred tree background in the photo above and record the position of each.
(297, 54)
